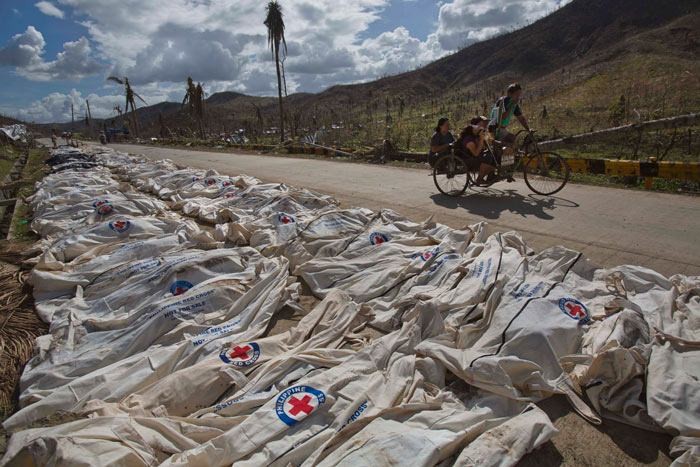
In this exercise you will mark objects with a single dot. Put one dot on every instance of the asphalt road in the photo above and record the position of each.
(611, 226)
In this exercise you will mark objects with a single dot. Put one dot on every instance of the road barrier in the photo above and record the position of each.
(622, 168)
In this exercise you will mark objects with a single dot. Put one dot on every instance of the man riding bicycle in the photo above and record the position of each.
(503, 111)
(544, 172)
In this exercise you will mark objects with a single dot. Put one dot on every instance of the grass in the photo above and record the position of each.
(33, 172)
(8, 155)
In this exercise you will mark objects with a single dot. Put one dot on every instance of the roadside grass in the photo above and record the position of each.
(8, 155)
(34, 171)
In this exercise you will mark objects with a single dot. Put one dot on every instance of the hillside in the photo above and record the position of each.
(577, 62)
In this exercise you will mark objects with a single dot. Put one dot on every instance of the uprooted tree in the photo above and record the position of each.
(130, 101)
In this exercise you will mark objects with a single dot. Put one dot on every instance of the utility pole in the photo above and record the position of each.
(87, 102)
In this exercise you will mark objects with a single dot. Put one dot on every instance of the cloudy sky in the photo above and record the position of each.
(55, 52)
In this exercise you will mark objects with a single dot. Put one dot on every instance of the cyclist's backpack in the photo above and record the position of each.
(496, 115)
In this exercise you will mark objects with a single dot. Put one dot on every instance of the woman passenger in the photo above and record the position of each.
(441, 142)
(472, 145)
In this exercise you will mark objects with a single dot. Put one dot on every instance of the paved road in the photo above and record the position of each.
(611, 226)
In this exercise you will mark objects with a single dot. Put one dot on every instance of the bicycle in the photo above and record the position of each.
(544, 172)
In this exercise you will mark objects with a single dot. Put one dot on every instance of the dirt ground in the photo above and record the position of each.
(581, 444)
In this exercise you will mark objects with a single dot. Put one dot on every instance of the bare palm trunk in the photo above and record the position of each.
(135, 120)
(279, 92)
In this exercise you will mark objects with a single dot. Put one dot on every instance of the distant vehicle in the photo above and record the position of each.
(117, 134)
(235, 139)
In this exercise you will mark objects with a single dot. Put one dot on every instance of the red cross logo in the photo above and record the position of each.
(377, 238)
(240, 352)
(296, 403)
(575, 310)
(300, 405)
(285, 219)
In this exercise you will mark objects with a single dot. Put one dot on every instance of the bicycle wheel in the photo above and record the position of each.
(545, 173)
(451, 175)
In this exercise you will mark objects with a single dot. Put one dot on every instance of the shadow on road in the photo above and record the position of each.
(489, 203)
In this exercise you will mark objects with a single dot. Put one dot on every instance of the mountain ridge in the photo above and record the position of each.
(572, 45)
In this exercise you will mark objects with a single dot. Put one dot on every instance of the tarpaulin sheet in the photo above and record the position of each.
(16, 132)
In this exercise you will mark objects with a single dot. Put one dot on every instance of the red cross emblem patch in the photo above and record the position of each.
(574, 309)
(377, 238)
(297, 403)
(120, 225)
(241, 355)
(286, 219)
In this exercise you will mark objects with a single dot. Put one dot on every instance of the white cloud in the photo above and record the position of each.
(49, 9)
(218, 41)
(463, 22)
(396, 51)
(74, 62)
(56, 107)
(178, 51)
(223, 43)
(24, 52)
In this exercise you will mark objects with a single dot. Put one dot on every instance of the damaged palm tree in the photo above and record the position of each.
(275, 37)
(194, 100)
(199, 107)
(190, 94)
(130, 101)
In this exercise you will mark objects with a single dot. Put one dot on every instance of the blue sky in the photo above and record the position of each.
(57, 52)
(420, 17)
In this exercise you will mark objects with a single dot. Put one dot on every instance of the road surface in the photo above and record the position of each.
(611, 226)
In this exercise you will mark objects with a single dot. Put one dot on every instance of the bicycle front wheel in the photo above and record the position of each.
(451, 175)
(545, 173)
